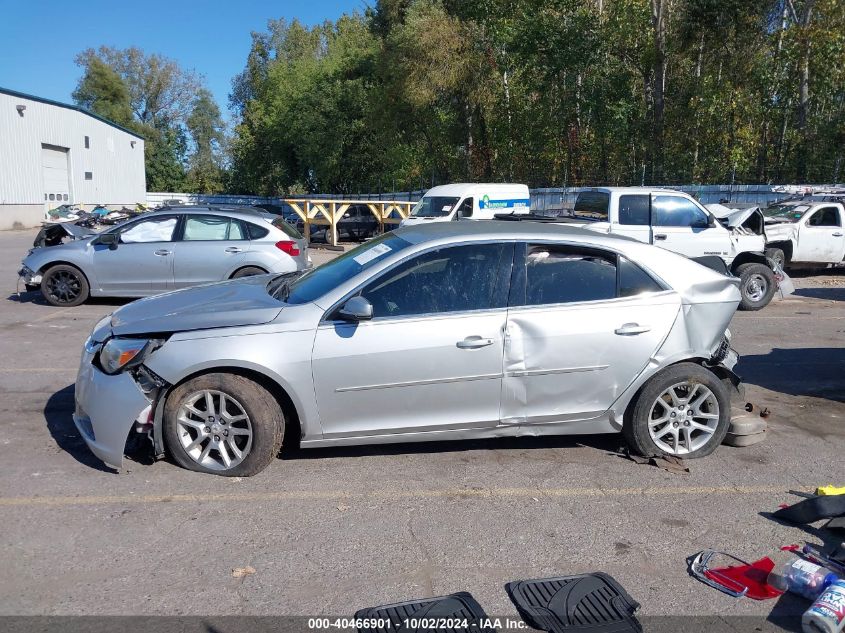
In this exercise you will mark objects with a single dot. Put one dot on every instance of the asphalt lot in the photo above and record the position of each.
(330, 531)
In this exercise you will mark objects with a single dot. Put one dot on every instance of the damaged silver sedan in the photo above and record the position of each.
(447, 331)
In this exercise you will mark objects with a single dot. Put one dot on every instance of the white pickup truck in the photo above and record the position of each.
(805, 233)
(677, 222)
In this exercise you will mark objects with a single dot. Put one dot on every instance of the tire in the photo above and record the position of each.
(257, 436)
(778, 256)
(248, 271)
(646, 436)
(757, 285)
(64, 286)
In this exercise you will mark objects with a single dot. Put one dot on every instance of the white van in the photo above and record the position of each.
(473, 201)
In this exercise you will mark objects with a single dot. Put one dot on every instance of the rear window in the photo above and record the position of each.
(633, 210)
(287, 228)
(255, 232)
(592, 205)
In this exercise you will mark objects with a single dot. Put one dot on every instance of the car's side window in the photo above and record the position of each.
(254, 231)
(568, 274)
(633, 280)
(152, 230)
(677, 211)
(452, 279)
(826, 216)
(633, 210)
(211, 228)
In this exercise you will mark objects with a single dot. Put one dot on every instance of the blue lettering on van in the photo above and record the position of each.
(487, 203)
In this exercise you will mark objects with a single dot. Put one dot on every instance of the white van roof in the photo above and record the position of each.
(462, 188)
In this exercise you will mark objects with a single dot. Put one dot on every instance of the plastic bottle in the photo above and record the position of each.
(801, 577)
(827, 615)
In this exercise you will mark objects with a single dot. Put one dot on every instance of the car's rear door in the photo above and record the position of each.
(142, 262)
(209, 249)
(431, 357)
(581, 327)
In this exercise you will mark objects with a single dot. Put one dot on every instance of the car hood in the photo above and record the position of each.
(413, 221)
(242, 301)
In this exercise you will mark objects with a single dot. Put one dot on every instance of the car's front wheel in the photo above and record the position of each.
(757, 285)
(64, 286)
(223, 424)
(683, 411)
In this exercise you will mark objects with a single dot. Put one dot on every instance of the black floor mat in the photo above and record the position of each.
(588, 603)
(457, 612)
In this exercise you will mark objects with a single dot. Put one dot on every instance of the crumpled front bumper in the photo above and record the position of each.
(106, 409)
(28, 276)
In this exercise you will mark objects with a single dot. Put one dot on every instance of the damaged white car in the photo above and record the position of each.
(806, 233)
(446, 331)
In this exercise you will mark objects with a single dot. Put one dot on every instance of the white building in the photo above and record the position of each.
(53, 153)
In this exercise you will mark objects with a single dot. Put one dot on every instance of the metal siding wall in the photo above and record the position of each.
(117, 167)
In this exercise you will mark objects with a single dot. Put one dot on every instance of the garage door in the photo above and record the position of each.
(55, 170)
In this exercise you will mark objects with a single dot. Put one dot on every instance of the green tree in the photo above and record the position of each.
(102, 91)
(205, 164)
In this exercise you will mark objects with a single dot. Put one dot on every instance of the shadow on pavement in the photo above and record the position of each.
(58, 414)
(818, 372)
(605, 442)
(828, 294)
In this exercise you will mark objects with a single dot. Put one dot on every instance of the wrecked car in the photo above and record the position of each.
(806, 233)
(677, 222)
(444, 331)
(55, 234)
(160, 251)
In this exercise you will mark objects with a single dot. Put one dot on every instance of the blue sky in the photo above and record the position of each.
(40, 38)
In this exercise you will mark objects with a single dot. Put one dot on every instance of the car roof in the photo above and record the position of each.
(634, 190)
(240, 212)
(462, 188)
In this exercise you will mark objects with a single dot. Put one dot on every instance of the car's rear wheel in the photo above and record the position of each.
(223, 424)
(64, 286)
(757, 285)
(248, 271)
(683, 411)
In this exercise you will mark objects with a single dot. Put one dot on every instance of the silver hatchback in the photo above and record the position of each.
(446, 331)
(165, 250)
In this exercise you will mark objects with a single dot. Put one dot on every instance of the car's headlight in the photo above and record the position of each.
(121, 353)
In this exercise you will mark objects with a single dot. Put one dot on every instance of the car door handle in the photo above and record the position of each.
(629, 329)
(163, 252)
(660, 236)
(234, 249)
(836, 234)
(474, 342)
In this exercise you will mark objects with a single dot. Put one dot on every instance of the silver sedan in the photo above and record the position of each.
(447, 331)
(165, 250)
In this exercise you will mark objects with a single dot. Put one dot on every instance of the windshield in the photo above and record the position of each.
(786, 212)
(287, 228)
(434, 207)
(318, 281)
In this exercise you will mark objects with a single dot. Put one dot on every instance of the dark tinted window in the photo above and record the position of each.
(633, 280)
(568, 274)
(592, 205)
(287, 228)
(633, 210)
(677, 211)
(453, 279)
(255, 232)
(826, 216)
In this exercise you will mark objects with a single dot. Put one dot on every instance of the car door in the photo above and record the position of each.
(431, 357)
(209, 249)
(821, 238)
(582, 326)
(679, 225)
(142, 261)
(634, 217)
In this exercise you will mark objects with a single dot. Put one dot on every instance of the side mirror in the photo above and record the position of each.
(356, 309)
(109, 239)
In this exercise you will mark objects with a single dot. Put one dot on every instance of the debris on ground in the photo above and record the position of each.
(830, 490)
(240, 572)
(668, 463)
(748, 425)
(343, 507)
(750, 580)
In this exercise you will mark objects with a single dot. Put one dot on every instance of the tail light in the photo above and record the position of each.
(289, 247)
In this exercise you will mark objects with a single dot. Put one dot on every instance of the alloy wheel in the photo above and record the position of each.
(683, 418)
(64, 286)
(214, 429)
